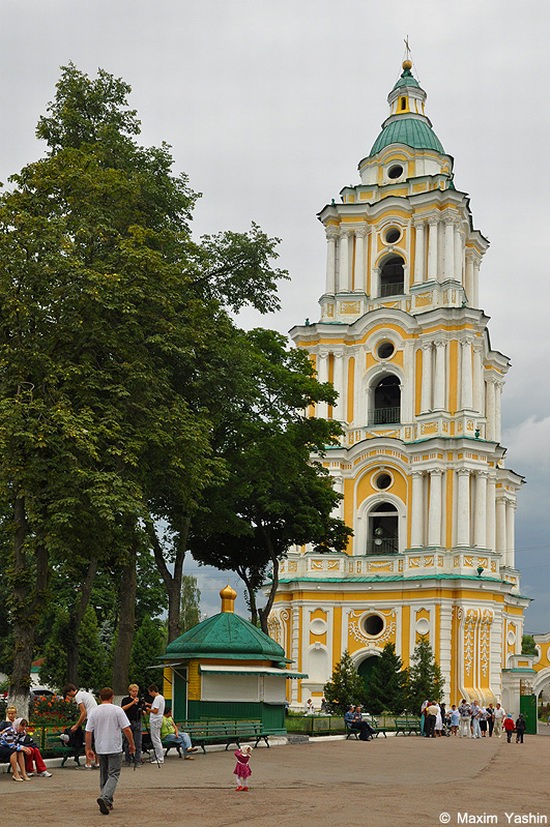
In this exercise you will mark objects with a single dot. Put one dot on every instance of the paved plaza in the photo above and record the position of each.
(405, 780)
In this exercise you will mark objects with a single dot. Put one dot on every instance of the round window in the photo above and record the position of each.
(383, 481)
(373, 625)
(385, 350)
(392, 235)
(395, 171)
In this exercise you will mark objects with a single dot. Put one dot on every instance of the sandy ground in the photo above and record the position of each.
(404, 780)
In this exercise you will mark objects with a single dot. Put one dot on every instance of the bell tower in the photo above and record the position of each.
(420, 466)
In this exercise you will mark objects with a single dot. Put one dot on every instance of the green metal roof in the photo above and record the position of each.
(226, 635)
(412, 132)
(407, 79)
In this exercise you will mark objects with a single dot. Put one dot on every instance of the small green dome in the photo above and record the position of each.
(407, 79)
(226, 635)
(412, 132)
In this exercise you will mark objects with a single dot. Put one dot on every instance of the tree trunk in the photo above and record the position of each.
(76, 614)
(29, 596)
(172, 582)
(264, 612)
(127, 621)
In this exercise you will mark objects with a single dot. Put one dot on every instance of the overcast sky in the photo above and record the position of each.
(270, 104)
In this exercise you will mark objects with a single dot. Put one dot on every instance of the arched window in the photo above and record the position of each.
(387, 402)
(383, 537)
(392, 277)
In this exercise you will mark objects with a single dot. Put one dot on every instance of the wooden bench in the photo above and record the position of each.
(234, 732)
(407, 726)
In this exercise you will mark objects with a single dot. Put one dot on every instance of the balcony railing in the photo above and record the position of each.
(383, 545)
(396, 288)
(384, 416)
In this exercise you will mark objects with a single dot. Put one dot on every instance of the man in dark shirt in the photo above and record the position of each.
(354, 719)
(133, 706)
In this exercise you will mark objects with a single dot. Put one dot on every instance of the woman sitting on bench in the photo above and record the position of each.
(170, 734)
(32, 755)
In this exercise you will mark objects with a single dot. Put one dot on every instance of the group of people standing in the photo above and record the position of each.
(469, 720)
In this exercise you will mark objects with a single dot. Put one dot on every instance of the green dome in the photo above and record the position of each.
(226, 635)
(412, 132)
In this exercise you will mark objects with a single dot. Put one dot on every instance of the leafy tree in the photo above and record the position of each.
(528, 645)
(273, 495)
(95, 668)
(425, 678)
(345, 687)
(386, 689)
(107, 306)
(190, 603)
(149, 644)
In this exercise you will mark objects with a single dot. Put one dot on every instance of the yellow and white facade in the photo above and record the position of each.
(420, 466)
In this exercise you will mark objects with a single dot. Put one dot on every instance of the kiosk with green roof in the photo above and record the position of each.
(227, 668)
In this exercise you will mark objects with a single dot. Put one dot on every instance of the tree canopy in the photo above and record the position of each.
(109, 311)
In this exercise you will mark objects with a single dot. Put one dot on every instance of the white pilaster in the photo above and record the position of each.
(434, 513)
(432, 249)
(466, 369)
(419, 253)
(475, 295)
(427, 377)
(478, 376)
(491, 514)
(339, 386)
(417, 509)
(463, 508)
(360, 276)
(510, 533)
(322, 376)
(498, 415)
(469, 278)
(501, 527)
(480, 510)
(440, 379)
(331, 262)
(449, 251)
(344, 270)
(459, 251)
(490, 408)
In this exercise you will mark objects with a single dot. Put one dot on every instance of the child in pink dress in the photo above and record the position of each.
(242, 769)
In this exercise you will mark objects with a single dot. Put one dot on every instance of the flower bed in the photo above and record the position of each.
(53, 712)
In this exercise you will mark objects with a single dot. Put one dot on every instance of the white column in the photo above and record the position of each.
(434, 513)
(439, 384)
(427, 377)
(510, 533)
(480, 510)
(475, 284)
(331, 262)
(501, 528)
(338, 485)
(478, 376)
(463, 508)
(449, 251)
(459, 251)
(343, 274)
(375, 282)
(322, 376)
(432, 249)
(490, 408)
(295, 649)
(466, 369)
(498, 415)
(491, 514)
(417, 509)
(419, 252)
(469, 278)
(360, 276)
(339, 387)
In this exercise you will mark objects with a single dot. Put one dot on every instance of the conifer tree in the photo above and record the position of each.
(345, 687)
(425, 678)
(387, 682)
(149, 644)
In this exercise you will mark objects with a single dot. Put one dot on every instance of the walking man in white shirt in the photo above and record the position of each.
(499, 716)
(156, 714)
(107, 722)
